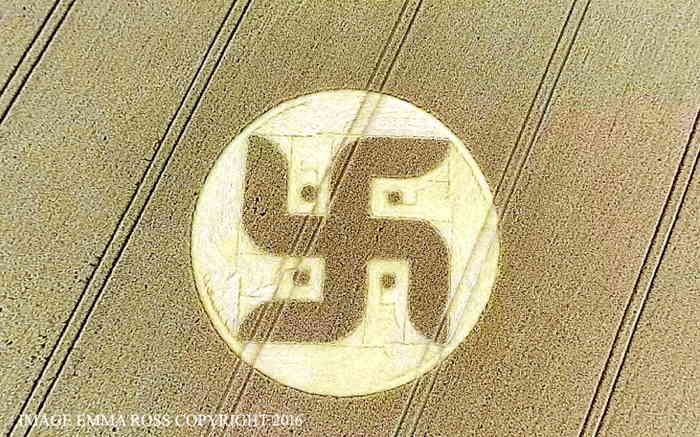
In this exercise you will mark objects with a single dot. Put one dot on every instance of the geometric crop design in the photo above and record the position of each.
(347, 237)
(345, 242)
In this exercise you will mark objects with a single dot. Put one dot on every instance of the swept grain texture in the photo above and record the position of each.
(75, 145)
